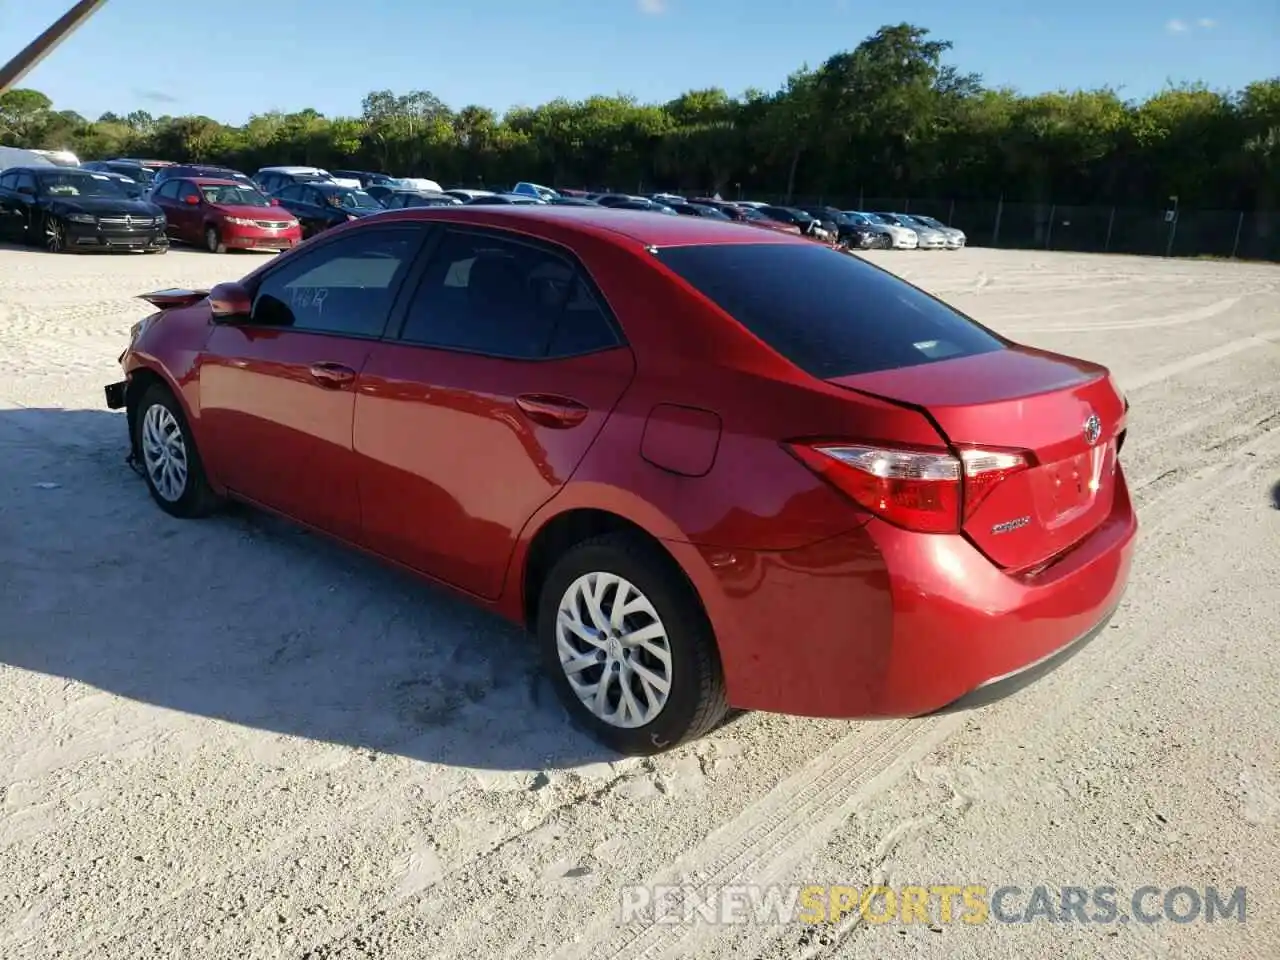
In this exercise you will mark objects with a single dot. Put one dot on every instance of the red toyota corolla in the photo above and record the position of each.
(706, 465)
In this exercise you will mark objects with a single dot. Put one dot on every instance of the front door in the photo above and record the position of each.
(11, 219)
(277, 392)
(165, 197)
(477, 411)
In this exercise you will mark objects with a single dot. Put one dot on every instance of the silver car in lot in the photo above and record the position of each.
(927, 237)
(900, 237)
(955, 237)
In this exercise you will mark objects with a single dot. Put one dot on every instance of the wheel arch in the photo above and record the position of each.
(549, 535)
(142, 378)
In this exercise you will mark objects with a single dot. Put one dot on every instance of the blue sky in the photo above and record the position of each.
(232, 58)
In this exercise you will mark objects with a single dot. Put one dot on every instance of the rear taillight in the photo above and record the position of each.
(922, 490)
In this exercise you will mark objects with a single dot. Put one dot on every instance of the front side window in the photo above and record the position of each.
(346, 286)
(489, 295)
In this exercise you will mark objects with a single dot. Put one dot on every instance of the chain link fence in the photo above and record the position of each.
(1086, 229)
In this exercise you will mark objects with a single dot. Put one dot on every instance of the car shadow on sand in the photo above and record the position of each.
(1275, 495)
(248, 619)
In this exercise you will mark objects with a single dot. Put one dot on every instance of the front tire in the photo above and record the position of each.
(212, 242)
(628, 646)
(55, 234)
(170, 461)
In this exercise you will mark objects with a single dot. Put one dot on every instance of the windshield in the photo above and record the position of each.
(353, 200)
(930, 222)
(751, 213)
(831, 315)
(81, 185)
(875, 218)
(234, 196)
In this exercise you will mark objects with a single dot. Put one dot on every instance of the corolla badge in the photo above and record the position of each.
(1010, 525)
(1092, 429)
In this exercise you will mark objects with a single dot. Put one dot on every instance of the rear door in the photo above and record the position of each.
(504, 369)
(165, 197)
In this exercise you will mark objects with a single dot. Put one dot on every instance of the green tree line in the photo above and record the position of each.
(888, 118)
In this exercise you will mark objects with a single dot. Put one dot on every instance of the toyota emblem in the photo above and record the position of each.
(1092, 429)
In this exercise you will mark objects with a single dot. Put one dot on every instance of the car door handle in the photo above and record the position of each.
(549, 410)
(332, 375)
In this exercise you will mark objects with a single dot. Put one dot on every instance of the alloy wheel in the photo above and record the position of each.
(164, 452)
(614, 650)
(55, 235)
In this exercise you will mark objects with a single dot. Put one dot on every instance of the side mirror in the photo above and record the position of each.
(191, 200)
(230, 301)
(275, 201)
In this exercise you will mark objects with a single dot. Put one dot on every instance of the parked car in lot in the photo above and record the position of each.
(130, 187)
(687, 209)
(926, 237)
(808, 224)
(365, 178)
(223, 215)
(463, 194)
(124, 168)
(400, 199)
(748, 215)
(535, 190)
(319, 205)
(660, 443)
(66, 209)
(505, 199)
(955, 238)
(900, 237)
(274, 179)
(206, 170)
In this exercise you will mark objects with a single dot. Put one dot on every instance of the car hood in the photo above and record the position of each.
(252, 213)
(106, 206)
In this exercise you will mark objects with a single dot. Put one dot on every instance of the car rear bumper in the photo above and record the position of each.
(880, 622)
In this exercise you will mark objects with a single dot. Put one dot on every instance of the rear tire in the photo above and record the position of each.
(170, 462)
(212, 242)
(658, 662)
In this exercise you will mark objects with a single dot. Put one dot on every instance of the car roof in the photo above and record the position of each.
(640, 226)
(212, 181)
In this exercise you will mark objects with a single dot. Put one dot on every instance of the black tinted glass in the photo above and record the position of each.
(827, 312)
(486, 295)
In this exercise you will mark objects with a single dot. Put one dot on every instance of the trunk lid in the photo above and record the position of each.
(1027, 400)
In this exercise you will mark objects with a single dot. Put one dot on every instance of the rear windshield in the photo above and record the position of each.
(829, 313)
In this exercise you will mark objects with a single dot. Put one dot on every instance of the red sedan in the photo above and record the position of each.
(706, 465)
(223, 215)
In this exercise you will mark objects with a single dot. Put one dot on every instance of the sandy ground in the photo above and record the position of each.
(229, 739)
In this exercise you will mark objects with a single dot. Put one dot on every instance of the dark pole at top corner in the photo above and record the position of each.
(39, 48)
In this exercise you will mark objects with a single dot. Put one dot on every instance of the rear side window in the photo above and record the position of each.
(829, 313)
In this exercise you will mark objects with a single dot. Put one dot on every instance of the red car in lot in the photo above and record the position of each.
(706, 465)
(225, 214)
